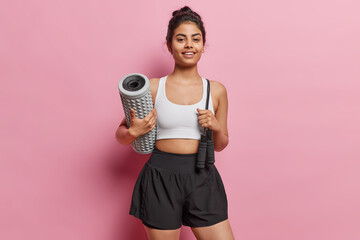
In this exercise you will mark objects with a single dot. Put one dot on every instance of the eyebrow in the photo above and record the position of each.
(181, 34)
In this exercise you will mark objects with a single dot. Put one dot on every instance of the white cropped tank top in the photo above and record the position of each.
(179, 121)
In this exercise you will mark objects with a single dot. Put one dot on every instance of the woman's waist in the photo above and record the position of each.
(178, 145)
(173, 161)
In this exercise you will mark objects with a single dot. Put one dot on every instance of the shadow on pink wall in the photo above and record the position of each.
(123, 169)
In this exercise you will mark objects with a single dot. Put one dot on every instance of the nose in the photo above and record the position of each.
(188, 44)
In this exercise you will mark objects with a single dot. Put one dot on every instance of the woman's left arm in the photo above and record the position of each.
(217, 123)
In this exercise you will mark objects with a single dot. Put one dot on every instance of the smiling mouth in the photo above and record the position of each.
(189, 53)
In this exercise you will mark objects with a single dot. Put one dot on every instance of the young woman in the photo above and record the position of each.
(170, 190)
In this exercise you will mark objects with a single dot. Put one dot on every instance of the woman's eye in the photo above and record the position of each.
(196, 39)
(180, 39)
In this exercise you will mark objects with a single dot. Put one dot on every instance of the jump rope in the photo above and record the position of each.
(206, 144)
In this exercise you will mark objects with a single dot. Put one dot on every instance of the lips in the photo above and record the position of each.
(189, 53)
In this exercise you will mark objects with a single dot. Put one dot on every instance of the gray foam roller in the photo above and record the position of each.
(135, 93)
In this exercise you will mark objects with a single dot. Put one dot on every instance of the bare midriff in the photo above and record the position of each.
(178, 145)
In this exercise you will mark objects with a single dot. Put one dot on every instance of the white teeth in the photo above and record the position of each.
(188, 53)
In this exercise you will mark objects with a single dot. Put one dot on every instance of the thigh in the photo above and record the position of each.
(206, 204)
(157, 234)
(221, 230)
(162, 198)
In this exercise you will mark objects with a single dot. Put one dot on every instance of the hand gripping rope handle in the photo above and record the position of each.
(206, 144)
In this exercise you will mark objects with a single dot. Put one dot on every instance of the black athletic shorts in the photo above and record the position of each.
(171, 191)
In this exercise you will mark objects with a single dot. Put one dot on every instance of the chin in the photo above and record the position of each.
(188, 64)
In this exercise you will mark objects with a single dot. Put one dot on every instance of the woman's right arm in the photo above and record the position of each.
(138, 127)
(124, 135)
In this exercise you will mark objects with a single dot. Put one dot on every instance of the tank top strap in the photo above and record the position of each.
(203, 100)
(205, 86)
(160, 92)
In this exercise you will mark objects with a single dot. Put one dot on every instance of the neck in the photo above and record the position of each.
(185, 73)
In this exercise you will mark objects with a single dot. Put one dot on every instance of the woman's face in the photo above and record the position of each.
(187, 44)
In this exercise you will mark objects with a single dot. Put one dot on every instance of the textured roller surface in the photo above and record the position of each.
(135, 93)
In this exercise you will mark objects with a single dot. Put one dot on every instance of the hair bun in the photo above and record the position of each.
(185, 9)
(175, 12)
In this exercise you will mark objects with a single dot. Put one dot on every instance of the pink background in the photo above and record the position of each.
(291, 68)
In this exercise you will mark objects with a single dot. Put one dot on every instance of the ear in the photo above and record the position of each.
(169, 48)
(205, 46)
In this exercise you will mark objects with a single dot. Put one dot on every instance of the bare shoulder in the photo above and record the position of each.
(217, 89)
(154, 83)
(218, 94)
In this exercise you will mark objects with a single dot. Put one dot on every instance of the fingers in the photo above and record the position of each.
(132, 114)
(205, 120)
(206, 115)
(151, 114)
(153, 118)
(150, 119)
(202, 111)
(146, 124)
(154, 124)
(154, 113)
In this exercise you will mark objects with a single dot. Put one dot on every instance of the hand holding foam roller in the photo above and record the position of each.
(135, 93)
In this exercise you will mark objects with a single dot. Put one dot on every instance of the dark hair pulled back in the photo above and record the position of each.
(185, 14)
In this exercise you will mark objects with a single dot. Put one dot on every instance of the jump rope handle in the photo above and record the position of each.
(210, 148)
(206, 144)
